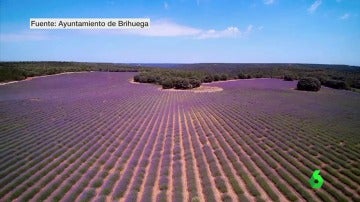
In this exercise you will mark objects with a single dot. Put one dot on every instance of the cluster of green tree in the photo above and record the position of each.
(333, 76)
(10, 71)
(171, 78)
(331, 82)
(309, 84)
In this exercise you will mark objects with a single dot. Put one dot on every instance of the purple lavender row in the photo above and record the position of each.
(105, 157)
(80, 185)
(87, 195)
(223, 160)
(177, 182)
(165, 164)
(211, 160)
(214, 169)
(109, 184)
(87, 157)
(190, 172)
(264, 169)
(136, 185)
(122, 185)
(108, 159)
(47, 184)
(155, 161)
(163, 181)
(45, 128)
(76, 171)
(11, 137)
(177, 191)
(38, 153)
(38, 174)
(294, 164)
(55, 155)
(148, 151)
(201, 163)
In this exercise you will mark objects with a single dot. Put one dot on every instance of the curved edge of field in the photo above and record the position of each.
(34, 77)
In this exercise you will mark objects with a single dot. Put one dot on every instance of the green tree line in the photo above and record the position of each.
(187, 76)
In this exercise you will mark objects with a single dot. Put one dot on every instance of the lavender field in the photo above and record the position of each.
(98, 137)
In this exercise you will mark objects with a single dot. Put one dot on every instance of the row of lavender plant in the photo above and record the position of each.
(30, 147)
(163, 180)
(201, 165)
(252, 152)
(127, 142)
(191, 177)
(153, 168)
(211, 159)
(87, 159)
(137, 181)
(133, 159)
(116, 132)
(278, 154)
(43, 166)
(83, 159)
(296, 186)
(311, 163)
(216, 139)
(87, 155)
(237, 165)
(177, 185)
(330, 157)
(47, 135)
(250, 167)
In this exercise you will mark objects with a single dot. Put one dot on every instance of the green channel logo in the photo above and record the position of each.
(316, 181)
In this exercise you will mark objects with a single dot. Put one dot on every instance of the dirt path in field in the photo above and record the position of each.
(131, 80)
(207, 89)
(34, 77)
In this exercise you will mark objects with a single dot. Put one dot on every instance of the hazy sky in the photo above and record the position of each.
(297, 31)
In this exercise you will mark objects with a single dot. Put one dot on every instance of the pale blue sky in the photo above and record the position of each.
(190, 31)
